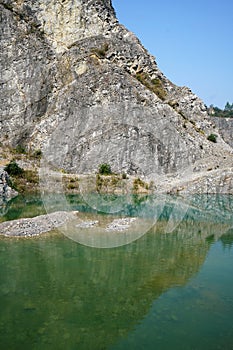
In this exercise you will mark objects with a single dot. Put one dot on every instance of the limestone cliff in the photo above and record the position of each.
(80, 86)
(225, 127)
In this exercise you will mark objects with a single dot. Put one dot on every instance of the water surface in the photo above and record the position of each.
(164, 291)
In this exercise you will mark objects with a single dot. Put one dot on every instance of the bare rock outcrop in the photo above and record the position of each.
(29, 227)
(80, 86)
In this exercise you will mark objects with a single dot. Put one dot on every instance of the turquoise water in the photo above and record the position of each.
(164, 291)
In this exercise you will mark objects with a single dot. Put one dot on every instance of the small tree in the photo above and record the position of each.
(13, 169)
(228, 107)
(212, 138)
(105, 169)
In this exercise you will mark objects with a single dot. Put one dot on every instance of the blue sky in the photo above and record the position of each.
(192, 41)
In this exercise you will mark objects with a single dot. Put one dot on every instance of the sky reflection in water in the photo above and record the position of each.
(165, 290)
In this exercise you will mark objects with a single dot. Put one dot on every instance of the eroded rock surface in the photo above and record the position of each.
(81, 87)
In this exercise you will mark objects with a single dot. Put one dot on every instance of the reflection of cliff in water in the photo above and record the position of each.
(200, 206)
(23, 206)
(54, 291)
(227, 239)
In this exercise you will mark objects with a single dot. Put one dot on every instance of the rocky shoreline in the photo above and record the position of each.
(31, 227)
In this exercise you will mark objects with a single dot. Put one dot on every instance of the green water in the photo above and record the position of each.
(163, 291)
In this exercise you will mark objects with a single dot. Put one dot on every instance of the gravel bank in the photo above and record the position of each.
(30, 227)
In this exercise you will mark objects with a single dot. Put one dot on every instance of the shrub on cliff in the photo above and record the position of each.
(105, 169)
(212, 138)
(13, 169)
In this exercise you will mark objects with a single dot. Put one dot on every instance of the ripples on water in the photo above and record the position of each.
(166, 290)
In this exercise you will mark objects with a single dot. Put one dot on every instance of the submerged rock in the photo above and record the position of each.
(87, 224)
(120, 224)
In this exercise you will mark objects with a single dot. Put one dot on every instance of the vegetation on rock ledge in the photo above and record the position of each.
(227, 112)
(105, 169)
(154, 85)
(212, 138)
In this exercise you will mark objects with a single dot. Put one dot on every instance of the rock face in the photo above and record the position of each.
(225, 127)
(7, 193)
(80, 86)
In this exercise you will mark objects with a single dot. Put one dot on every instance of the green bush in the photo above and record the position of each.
(25, 182)
(212, 138)
(105, 169)
(13, 169)
(20, 149)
